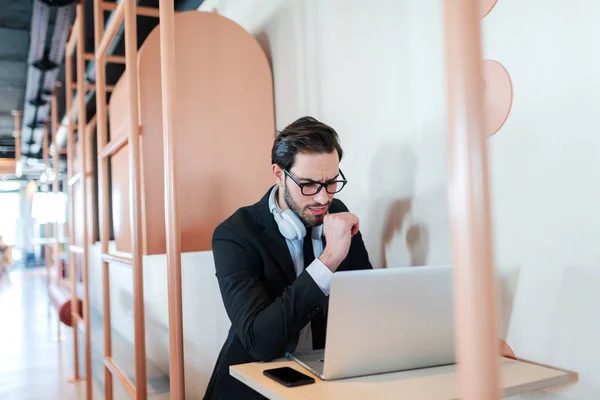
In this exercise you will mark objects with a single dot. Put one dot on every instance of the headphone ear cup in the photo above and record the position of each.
(287, 221)
(293, 224)
(285, 227)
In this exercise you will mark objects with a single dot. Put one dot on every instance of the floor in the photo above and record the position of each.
(34, 362)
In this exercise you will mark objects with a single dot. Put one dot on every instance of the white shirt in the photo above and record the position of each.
(317, 270)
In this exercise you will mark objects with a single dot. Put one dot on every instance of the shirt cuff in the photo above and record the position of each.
(321, 275)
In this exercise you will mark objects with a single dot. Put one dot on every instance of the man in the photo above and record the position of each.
(274, 260)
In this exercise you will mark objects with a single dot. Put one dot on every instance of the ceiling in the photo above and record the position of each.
(15, 42)
(14, 48)
(145, 25)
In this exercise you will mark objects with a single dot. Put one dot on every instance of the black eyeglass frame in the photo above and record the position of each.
(322, 185)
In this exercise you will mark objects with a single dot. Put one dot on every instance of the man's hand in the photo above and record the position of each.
(339, 229)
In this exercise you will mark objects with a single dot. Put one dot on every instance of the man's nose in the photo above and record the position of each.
(322, 197)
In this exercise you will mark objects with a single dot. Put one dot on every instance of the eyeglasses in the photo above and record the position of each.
(312, 188)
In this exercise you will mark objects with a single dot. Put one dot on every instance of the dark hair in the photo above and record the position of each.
(305, 135)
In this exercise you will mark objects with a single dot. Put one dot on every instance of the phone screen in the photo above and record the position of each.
(288, 376)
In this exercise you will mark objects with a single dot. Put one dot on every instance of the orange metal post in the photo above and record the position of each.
(110, 32)
(113, 258)
(135, 201)
(56, 158)
(82, 119)
(103, 200)
(114, 369)
(110, 59)
(71, 225)
(17, 115)
(45, 189)
(45, 149)
(75, 178)
(91, 86)
(114, 146)
(477, 345)
(88, 174)
(139, 10)
(76, 249)
(167, 60)
(72, 39)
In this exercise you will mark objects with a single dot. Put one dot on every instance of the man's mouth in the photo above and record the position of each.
(318, 210)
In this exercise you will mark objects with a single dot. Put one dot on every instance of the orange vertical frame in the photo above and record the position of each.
(76, 44)
(56, 161)
(17, 133)
(45, 148)
(128, 10)
(103, 201)
(82, 122)
(173, 234)
(474, 287)
(71, 216)
(45, 189)
(125, 9)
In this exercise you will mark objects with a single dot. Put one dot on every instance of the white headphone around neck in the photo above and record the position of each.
(288, 222)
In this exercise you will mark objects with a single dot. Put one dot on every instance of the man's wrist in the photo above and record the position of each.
(321, 274)
(329, 261)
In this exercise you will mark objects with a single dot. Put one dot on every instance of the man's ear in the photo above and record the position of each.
(278, 174)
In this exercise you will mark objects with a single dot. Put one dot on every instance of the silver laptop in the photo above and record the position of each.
(385, 320)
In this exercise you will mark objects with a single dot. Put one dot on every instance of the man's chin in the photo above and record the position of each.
(313, 220)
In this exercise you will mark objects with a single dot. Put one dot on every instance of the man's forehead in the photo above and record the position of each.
(316, 175)
(317, 167)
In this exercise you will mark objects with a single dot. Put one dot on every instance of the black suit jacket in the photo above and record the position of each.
(265, 301)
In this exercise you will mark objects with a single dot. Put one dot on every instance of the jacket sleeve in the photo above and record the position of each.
(358, 257)
(264, 325)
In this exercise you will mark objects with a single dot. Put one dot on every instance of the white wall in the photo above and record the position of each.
(376, 75)
(544, 170)
(375, 72)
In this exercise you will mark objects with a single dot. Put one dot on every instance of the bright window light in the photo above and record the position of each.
(49, 207)
(9, 186)
(17, 255)
(9, 214)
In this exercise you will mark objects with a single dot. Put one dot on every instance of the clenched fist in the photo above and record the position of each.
(338, 229)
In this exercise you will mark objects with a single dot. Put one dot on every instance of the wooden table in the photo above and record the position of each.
(438, 383)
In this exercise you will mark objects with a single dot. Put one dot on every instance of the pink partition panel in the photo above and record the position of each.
(117, 117)
(7, 166)
(498, 95)
(224, 127)
(485, 6)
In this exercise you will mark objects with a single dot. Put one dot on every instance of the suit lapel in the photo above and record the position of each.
(273, 240)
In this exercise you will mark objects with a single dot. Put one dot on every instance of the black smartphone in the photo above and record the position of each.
(288, 376)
